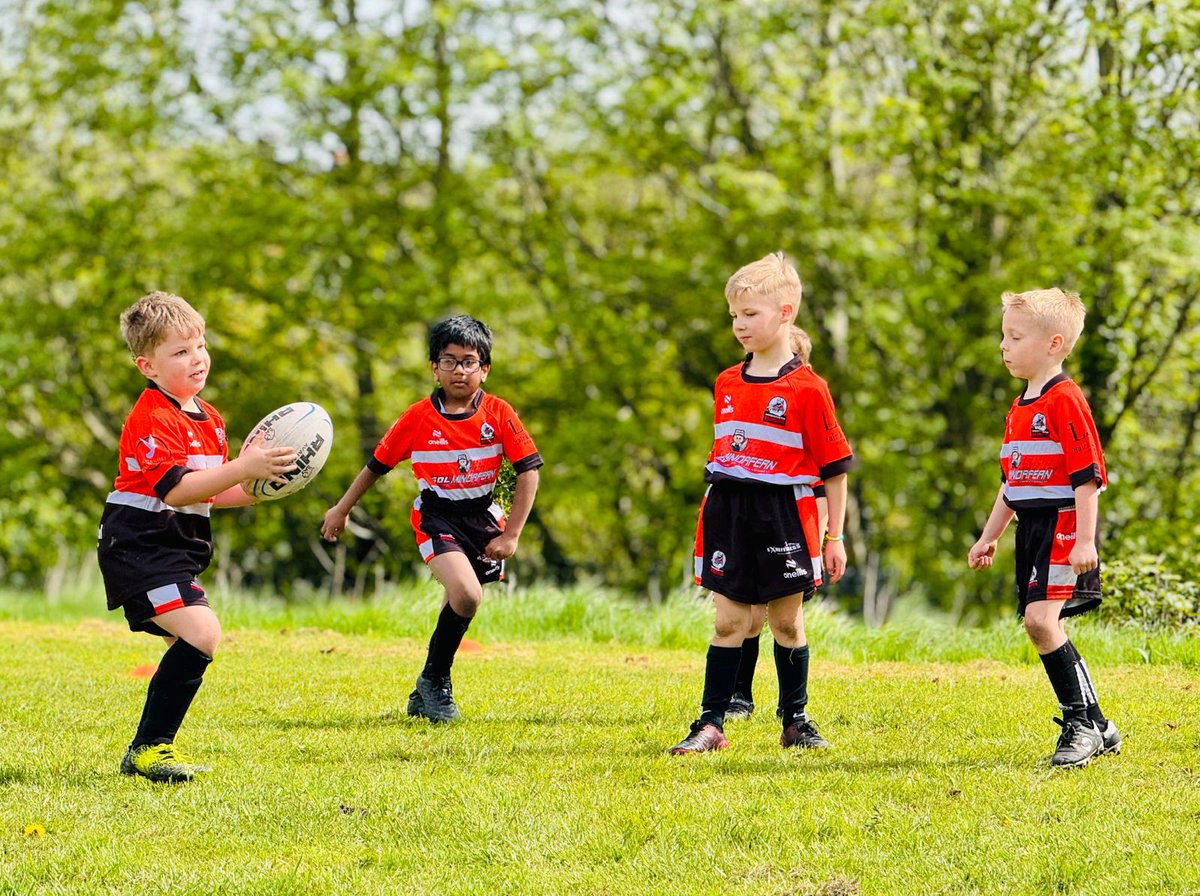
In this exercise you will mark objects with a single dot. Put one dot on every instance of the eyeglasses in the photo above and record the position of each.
(447, 364)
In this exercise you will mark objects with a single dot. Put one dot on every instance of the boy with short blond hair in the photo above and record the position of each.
(1052, 470)
(775, 436)
(155, 538)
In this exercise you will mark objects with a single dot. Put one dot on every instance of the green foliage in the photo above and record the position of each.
(323, 180)
(1156, 591)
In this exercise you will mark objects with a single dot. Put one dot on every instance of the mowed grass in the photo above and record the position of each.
(558, 780)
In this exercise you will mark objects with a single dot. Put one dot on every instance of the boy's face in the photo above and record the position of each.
(178, 365)
(1027, 347)
(759, 323)
(459, 383)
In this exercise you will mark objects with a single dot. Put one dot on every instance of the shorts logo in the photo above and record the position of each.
(718, 562)
(1033, 577)
(1063, 537)
(1038, 427)
(739, 441)
(487, 435)
(776, 410)
(464, 463)
(793, 570)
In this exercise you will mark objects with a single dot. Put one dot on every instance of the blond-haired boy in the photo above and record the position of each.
(155, 538)
(775, 435)
(1053, 471)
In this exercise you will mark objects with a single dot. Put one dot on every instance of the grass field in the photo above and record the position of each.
(557, 781)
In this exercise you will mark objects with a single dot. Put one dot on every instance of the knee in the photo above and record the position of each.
(725, 628)
(208, 641)
(1039, 631)
(465, 600)
(787, 632)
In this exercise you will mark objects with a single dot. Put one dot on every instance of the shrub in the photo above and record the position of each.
(1154, 590)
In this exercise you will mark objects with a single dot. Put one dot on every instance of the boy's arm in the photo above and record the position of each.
(834, 550)
(984, 550)
(255, 462)
(335, 517)
(1084, 556)
(505, 545)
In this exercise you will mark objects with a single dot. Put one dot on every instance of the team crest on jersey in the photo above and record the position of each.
(718, 562)
(464, 463)
(151, 446)
(776, 411)
(1015, 461)
(1038, 428)
(738, 442)
(487, 435)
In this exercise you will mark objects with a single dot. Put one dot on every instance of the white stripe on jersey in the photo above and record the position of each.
(1034, 446)
(154, 505)
(736, 472)
(449, 457)
(458, 494)
(1034, 492)
(761, 432)
(203, 461)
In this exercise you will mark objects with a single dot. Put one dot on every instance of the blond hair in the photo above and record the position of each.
(771, 277)
(1056, 310)
(154, 317)
(801, 344)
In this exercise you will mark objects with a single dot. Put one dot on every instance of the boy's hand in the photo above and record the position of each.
(1083, 557)
(266, 463)
(334, 523)
(982, 554)
(835, 560)
(501, 547)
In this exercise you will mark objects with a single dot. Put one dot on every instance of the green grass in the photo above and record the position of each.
(558, 781)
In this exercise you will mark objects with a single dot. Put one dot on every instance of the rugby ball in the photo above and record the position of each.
(301, 425)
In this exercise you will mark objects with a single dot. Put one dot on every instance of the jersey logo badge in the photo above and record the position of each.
(464, 463)
(487, 435)
(776, 410)
(220, 436)
(1015, 460)
(728, 409)
(1038, 428)
(738, 442)
(151, 446)
(718, 562)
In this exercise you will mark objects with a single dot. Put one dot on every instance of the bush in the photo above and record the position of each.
(1153, 590)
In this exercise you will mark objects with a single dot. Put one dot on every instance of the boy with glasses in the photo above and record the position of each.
(457, 438)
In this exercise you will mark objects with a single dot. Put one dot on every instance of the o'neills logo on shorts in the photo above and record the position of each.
(718, 563)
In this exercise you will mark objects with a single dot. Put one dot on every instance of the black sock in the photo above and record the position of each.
(1089, 689)
(170, 693)
(443, 644)
(720, 674)
(746, 666)
(791, 665)
(1062, 670)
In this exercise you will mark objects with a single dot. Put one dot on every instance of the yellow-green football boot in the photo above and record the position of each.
(159, 762)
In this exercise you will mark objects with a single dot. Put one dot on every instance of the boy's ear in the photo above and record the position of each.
(1057, 341)
(789, 310)
(145, 366)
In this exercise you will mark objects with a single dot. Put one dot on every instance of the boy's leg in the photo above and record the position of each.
(1081, 737)
(433, 696)
(742, 703)
(195, 633)
(732, 624)
(791, 665)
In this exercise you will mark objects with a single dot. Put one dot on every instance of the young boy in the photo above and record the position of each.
(457, 439)
(155, 538)
(1052, 472)
(741, 705)
(757, 542)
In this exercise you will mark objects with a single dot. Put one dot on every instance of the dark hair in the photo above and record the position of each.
(464, 330)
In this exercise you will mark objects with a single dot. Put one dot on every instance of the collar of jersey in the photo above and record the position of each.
(794, 364)
(194, 415)
(439, 404)
(1050, 384)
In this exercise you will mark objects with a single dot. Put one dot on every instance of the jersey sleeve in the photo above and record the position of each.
(518, 444)
(397, 443)
(160, 450)
(823, 436)
(1076, 432)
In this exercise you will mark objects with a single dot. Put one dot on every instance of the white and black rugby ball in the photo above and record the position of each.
(301, 425)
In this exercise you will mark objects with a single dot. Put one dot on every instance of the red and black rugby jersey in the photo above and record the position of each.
(144, 542)
(457, 457)
(779, 430)
(1050, 448)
